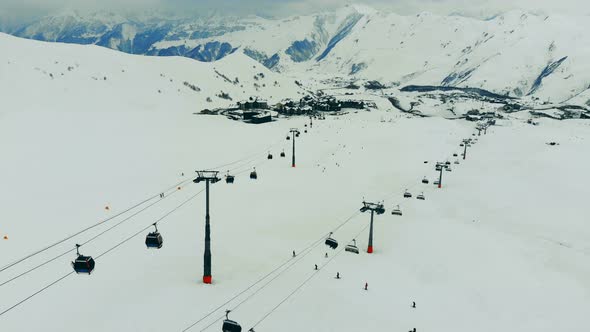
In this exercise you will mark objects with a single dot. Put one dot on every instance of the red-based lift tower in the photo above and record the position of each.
(208, 177)
(374, 208)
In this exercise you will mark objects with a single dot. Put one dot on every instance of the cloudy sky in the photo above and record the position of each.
(478, 8)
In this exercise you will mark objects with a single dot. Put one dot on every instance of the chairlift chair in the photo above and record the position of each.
(352, 247)
(455, 155)
(456, 162)
(288, 138)
(448, 169)
(407, 194)
(269, 155)
(297, 134)
(154, 239)
(83, 264)
(396, 211)
(421, 197)
(253, 174)
(330, 242)
(283, 154)
(230, 325)
(461, 144)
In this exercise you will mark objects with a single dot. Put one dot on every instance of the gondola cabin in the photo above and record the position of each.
(83, 264)
(253, 175)
(154, 240)
(283, 154)
(269, 156)
(229, 179)
(230, 325)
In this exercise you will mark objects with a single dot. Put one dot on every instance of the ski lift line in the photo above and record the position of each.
(36, 293)
(302, 254)
(167, 214)
(86, 242)
(36, 267)
(20, 260)
(248, 157)
(315, 273)
(104, 253)
(126, 219)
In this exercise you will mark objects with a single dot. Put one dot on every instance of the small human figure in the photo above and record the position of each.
(326, 255)
(366, 286)
(413, 304)
(337, 275)
(182, 173)
(294, 253)
(316, 266)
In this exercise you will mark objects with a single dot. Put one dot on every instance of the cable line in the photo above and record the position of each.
(104, 253)
(301, 255)
(88, 241)
(20, 260)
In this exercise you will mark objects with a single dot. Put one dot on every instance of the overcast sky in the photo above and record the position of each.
(478, 8)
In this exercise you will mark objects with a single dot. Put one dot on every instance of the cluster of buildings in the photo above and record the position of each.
(259, 111)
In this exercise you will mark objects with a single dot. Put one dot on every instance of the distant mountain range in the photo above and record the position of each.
(516, 54)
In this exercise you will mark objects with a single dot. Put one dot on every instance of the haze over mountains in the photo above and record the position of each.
(515, 53)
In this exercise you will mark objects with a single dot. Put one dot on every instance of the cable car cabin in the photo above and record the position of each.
(229, 179)
(447, 163)
(425, 181)
(455, 155)
(269, 156)
(231, 326)
(332, 243)
(283, 154)
(253, 175)
(154, 240)
(421, 197)
(288, 138)
(461, 144)
(407, 194)
(305, 131)
(297, 135)
(83, 264)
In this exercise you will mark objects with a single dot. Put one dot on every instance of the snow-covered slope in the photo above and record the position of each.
(503, 246)
(63, 76)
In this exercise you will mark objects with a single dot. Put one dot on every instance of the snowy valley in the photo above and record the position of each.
(98, 145)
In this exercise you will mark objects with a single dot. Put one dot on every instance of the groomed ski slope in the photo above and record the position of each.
(502, 246)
